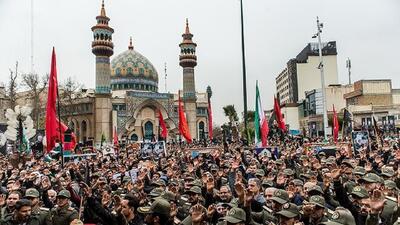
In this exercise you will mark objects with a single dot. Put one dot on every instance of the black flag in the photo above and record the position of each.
(347, 122)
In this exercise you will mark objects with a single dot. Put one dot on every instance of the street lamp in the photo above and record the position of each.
(321, 69)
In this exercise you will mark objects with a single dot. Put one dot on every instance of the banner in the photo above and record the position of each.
(360, 140)
(152, 149)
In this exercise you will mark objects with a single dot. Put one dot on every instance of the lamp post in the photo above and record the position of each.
(321, 69)
(244, 71)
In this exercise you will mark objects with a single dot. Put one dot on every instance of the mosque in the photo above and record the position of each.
(127, 97)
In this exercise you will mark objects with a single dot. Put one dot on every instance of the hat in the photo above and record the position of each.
(267, 183)
(279, 162)
(289, 210)
(297, 182)
(64, 193)
(169, 196)
(359, 192)
(159, 182)
(194, 189)
(126, 179)
(371, 178)
(340, 216)
(318, 200)
(214, 167)
(280, 196)
(235, 215)
(388, 172)
(156, 192)
(359, 171)
(196, 183)
(303, 157)
(317, 189)
(389, 184)
(174, 182)
(347, 163)
(322, 153)
(288, 172)
(260, 172)
(32, 192)
(159, 206)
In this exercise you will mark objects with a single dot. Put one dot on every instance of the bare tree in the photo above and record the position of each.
(36, 85)
(12, 86)
(69, 91)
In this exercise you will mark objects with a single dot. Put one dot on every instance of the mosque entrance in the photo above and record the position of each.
(148, 131)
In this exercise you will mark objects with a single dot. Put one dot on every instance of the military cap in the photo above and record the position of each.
(288, 172)
(347, 163)
(359, 192)
(359, 171)
(229, 205)
(267, 183)
(195, 190)
(330, 160)
(174, 182)
(64, 193)
(214, 167)
(196, 183)
(371, 178)
(316, 190)
(280, 196)
(159, 182)
(156, 192)
(260, 172)
(159, 206)
(279, 162)
(169, 196)
(318, 200)
(235, 215)
(297, 182)
(389, 184)
(388, 172)
(303, 157)
(321, 153)
(32, 192)
(126, 179)
(340, 216)
(289, 210)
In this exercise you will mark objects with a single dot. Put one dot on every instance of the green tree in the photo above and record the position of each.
(231, 113)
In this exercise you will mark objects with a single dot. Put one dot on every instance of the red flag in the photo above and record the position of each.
(210, 121)
(183, 126)
(164, 131)
(335, 125)
(278, 114)
(115, 137)
(51, 120)
(67, 145)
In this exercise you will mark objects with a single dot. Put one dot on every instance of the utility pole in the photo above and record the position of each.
(321, 69)
(348, 66)
(244, 72)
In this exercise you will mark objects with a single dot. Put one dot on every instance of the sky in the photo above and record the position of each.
(366, 31)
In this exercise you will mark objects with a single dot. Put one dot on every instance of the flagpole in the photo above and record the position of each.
(59, 127)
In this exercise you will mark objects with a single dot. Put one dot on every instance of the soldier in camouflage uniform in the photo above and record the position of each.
(63, 214)
(21, 215)
(42, 213)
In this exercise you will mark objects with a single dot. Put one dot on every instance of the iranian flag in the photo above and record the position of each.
(260, 122)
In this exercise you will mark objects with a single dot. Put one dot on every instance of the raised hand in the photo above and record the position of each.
(376, 202)
(336, 173)
(211, 210)
(198, 213)
(210, 184)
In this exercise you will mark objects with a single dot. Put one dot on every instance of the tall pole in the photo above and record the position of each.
(59, 127)
(32, 65)
(321, 69)
(348, 66)
(244, 71)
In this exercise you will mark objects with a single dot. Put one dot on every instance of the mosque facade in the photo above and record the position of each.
(127, 97)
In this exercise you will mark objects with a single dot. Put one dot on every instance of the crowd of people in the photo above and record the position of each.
(229, 183)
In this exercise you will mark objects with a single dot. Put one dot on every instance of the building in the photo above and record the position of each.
(374, 98)
(301, 74)
(126, 96)
(4, 104)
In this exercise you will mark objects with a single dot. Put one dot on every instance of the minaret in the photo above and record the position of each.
(102, 48)
(188, 60)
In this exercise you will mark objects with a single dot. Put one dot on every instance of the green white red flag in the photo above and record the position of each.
(260, 123)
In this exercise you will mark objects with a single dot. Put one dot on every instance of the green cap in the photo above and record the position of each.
(260, 172)
(359, 192)
(389, 184)
(64, 193)
(32, 192)
(267, 183)
(169, 196)
(303, 157)
(318, 200)
(322, 153)
(288, 172)
(196, 183)
(280, 196)
(289, 210)
(156, 192)
(160, 206)
(359, 171)
(279, 162)
(235, 215)
(340, 216)
(297, 182)
(371, 178)
(347, 163)
(388, 172)
(194, 189)
(316, 190)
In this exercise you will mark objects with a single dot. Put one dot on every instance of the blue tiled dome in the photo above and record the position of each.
(132, 71)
